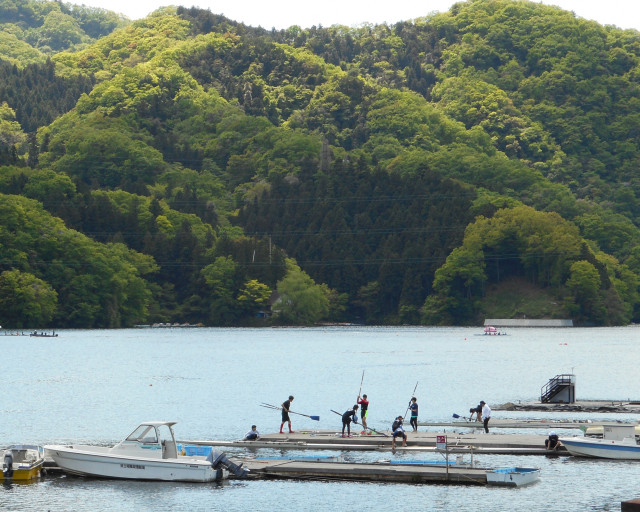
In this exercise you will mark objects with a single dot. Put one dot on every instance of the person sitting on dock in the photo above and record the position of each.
(552, 442)
(285, 414)
(252, 435)
(364, 408)
(486, 415)
(398, 431)
(347, 418)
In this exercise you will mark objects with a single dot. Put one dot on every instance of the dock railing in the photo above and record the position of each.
(555, 385)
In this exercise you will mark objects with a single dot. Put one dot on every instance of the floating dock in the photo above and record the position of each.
(364, 472)
(602, 406)
(513, 423)
(458, 443)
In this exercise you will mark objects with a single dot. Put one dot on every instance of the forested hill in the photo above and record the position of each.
(189, 168)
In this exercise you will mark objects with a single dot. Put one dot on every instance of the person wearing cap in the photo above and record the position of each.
(349, 416)
(552, 442)
(285, 414)
(486, 415)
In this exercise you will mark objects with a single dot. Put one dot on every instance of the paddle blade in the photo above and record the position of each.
(456, 415)
(315, 418)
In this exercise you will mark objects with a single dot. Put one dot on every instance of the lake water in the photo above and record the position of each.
(95, 386)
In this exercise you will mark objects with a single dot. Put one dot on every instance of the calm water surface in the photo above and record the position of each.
(96, 386)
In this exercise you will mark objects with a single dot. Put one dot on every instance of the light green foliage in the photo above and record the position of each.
(25, 300)
(96, 285)
(584, 285)
(11, 133)
(17, 51)
(47, 185)
(58, 32)
(101, 151)
(138, 42)
(194, 128)
(220, 277)
(301, 302)
(515, 241)
(411, 120)
(254, 296)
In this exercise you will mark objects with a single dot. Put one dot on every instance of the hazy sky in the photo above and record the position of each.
(284, 13)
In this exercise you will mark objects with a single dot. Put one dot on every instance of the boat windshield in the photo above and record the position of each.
(144, 434)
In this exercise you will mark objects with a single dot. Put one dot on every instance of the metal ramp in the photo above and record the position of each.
(561, 389)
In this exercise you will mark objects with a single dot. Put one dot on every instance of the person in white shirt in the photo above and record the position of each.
(252, 435)
(486, 415)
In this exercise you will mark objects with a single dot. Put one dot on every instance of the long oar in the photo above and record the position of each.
(412, 395)
(361, 381)
(372, 430)
(269, 406)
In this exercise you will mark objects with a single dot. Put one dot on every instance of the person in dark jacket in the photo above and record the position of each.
(552, 442)
(349, 416)
(398, 431)
(477, 410)
(285, 414)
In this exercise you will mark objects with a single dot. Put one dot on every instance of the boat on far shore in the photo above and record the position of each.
(490, 330)
(43, 334)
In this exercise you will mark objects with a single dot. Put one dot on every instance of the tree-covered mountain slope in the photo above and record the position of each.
(382, 174)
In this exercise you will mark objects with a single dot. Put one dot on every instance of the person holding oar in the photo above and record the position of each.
(286, 405)
(285, 409)
(349, 416)
(364, 404)
(413, 406)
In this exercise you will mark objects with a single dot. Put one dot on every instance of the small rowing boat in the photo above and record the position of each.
(513, 477)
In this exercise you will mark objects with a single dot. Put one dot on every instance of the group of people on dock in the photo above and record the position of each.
(482, 412)
(351, 416)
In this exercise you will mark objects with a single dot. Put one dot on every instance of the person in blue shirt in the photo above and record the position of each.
(413, 405)
(347, 418)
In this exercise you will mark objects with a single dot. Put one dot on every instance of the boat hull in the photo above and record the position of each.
(513, 477)
(24, 473)
(602, 449)
(104, 465)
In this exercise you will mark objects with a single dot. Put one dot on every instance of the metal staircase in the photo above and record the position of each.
(559, 389)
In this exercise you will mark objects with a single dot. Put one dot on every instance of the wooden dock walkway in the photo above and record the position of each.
(598, 406)
(515, 424)
(363, 472)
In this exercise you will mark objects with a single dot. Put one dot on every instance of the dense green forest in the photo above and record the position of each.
(189, 168)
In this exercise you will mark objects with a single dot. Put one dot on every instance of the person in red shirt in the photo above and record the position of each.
(364, 407)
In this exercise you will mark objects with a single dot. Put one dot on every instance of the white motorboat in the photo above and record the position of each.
(148, 453)
(618, 442)
(513, 477)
